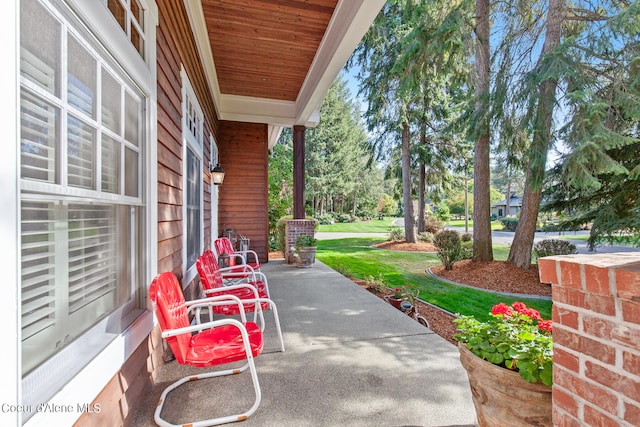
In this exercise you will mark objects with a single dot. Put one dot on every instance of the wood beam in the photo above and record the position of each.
(298, 172)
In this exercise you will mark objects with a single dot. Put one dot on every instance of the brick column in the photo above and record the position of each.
(596, 338)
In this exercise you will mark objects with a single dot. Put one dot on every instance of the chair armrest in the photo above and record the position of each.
(235, 268)
(249, 251)
(233, 271)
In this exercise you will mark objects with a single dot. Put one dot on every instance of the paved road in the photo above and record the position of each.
(506, 237)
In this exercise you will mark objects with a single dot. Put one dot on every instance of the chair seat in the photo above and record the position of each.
(223, 345)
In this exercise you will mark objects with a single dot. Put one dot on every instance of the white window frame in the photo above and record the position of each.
(214, 159)
(195, 145)
(88, 383)
(131, 21)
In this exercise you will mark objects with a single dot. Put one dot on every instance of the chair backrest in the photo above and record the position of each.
(209, 271)
(168, 302)
(223, 245)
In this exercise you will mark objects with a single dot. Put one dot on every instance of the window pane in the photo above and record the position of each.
(81, 78)
(194, 178)
(38, 138)
(132, 111)
(110, 165)
(136, 11)
(137, 41)
(76, 269)
(194, 123)
(131, 173)
(111, 105)
(92, 258)
(117, 10)
(80, 153)
(40, 46)
(38, 294)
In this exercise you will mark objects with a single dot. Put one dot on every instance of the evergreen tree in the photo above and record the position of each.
(337, 154)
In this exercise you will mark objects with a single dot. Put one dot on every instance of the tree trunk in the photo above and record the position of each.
(421, 190)
(409, 229)
(466, 203)
(353, 211)
(520, 252)
(482, 244)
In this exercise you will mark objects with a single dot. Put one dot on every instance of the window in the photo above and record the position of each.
(128, 14)
(192, 131)
(82, 149)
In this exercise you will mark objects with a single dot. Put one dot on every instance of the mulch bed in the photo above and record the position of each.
(401, 245)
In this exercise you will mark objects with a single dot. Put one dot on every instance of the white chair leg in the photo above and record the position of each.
(274, 309)
(219, 420)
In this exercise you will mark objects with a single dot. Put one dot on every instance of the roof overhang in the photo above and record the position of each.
(348, 24)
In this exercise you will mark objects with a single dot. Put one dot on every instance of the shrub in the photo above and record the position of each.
(325, 219)
(550, 247)
(509, 223)
(432, 225)
(396, 234)
(442, 212)
(449, 248)
(426, 236)
(344, 218)
(466, 237)
(376, 284)
(466, 250)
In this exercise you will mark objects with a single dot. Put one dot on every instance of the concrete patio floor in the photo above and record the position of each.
(351, 360)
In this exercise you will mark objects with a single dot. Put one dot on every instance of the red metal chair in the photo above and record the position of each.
(252, 294)
(240, 273)
(206, 344)
(223, 245)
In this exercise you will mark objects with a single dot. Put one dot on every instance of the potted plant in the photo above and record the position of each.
(509, 362)
(399, 295)
(305, 250)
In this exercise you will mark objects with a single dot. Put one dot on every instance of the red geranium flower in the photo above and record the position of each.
(545, 325)
(502, 308)
(519, 306)
(532, 313)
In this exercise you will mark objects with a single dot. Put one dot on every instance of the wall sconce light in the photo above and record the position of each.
(217, 174)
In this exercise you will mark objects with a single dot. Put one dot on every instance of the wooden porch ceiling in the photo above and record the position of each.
(272, 61)
(264, 48)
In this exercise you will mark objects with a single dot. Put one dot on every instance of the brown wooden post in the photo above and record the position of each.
(298, 172)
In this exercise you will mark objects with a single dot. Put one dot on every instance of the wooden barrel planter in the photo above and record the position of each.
(502, 397)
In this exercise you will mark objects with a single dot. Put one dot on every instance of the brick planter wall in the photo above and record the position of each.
(596, 338)
(293, 229)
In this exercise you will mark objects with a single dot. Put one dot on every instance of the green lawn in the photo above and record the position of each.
(372, 226)
(354, 258)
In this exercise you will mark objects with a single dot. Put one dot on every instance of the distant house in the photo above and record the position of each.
(500, 209)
